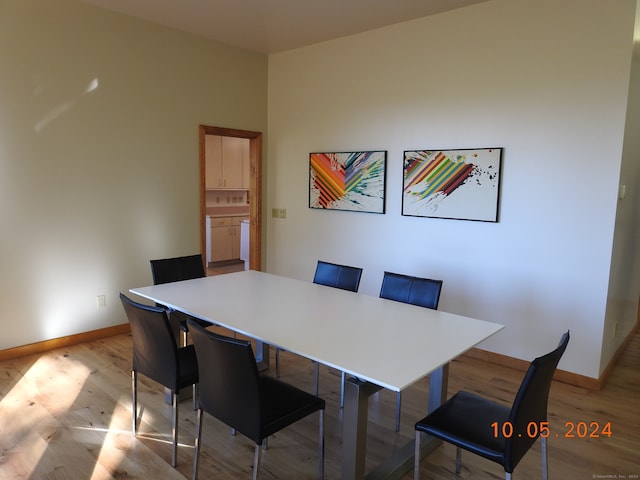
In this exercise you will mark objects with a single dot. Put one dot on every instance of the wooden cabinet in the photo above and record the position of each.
(227, 162)
(213, 161)
(225, 238)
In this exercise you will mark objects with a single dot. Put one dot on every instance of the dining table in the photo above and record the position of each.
(378, 343)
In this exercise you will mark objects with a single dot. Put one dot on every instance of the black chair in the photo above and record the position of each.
(423, 292)
(331, 275)
(235, 393)
(156, 356)
(478, 425)
(167, 270)
(337, 276)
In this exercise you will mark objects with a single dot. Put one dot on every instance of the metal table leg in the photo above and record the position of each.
(262, 355)
(354, 426)
(354, 430)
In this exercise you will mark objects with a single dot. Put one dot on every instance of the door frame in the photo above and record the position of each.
(255, 188)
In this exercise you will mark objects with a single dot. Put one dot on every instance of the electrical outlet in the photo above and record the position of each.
(101, 301)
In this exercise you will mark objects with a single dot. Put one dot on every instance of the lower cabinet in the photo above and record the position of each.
(225, 238)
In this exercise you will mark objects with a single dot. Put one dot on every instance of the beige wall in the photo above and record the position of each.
(546, 80)
(624, 283)
(99, 170)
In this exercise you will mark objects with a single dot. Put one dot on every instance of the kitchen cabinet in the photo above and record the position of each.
(225, 238)
(227, 162)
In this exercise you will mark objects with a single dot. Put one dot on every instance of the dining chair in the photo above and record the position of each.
(156, 356)
(492, 430)
(167, 270)
(423, 292)
(235, 393)
(337, 276)
(334, 275)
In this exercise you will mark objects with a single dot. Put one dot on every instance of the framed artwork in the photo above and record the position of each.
(458, 184)
(353, 181)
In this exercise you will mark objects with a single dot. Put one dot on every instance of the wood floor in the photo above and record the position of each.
(66, 415)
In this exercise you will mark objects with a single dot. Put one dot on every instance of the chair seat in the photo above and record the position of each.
(423, 292)
(175, 269)
(465, 420)
(284, 405)
(469, 421)
(157, 356)
(333, 275)
(233, 391)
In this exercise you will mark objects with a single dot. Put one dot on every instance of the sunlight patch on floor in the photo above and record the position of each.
(23, 408)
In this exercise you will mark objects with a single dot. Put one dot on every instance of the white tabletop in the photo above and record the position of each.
(388, 343)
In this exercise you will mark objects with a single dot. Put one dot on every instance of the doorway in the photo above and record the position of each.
(254, 192)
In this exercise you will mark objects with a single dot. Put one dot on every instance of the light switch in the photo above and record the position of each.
(622, 191)
(101, 301)
(279, 213)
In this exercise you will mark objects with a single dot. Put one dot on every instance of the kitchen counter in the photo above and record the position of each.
(236, 211)
(223, 225)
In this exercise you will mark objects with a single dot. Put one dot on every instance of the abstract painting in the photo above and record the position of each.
(459, 184)
(353, 181)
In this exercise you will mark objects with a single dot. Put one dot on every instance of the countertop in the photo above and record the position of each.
(237, 211)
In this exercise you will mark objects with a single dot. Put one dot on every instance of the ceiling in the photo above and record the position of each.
(271, 26)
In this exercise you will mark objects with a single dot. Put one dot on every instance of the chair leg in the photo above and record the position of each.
(321, 447)
(185, 340)
(316, 388)
(545, 466)
(458, 460)
(398, 401)
(174, 429)
(196, 453)
(256, 462)
(195, 396)
(416, 457)
(342, 390)
(277, 363)
(507, 476)
(134, 402)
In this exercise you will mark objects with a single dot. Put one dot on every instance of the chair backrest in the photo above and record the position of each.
(423, 292)
(167, 270)
(155, 354)
(338, 276)
(229, 380)
(530, 405)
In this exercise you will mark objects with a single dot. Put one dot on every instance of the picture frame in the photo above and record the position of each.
(349, 181)
(461, 184)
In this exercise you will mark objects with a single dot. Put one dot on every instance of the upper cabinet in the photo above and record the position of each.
(227, 162)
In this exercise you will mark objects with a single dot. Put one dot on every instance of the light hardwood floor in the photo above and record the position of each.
(225, 267)
(66, 414)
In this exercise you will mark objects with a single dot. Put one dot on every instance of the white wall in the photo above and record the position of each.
(99, 169)
(547, 81)
(624, 284)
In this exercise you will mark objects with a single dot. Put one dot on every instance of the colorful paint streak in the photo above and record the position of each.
(461, 184)
(436, 172)
(348, 181)
(328, 178)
